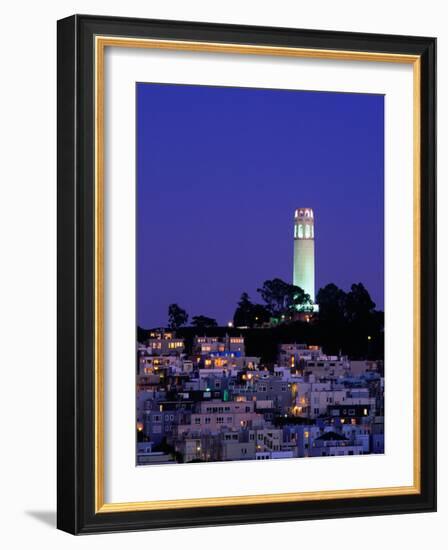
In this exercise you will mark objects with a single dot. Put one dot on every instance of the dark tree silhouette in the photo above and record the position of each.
(274, 292)
(358, 304)
(201, 321)
(281, 297)
(260, 315)
(348, 322)
(248, 314)
(243, 313)
(332, 322)
(332, 303)
(177, 316)
(365, 324)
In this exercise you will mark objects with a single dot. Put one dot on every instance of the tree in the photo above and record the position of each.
(349, 322)
(176, 316)
(260, 315)
(283, 298)
(297, 297)
(275, 292)
(201, 321)
(248, 314)
(332, 303)
(359, 305)
(332, 322)
(365, 324)
(243, 316)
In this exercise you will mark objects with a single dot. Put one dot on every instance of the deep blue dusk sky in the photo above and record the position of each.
(220, 172)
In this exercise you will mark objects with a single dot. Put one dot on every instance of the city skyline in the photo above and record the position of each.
(220, 215)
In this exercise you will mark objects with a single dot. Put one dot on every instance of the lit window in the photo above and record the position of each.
(307, 231)
(300, 231)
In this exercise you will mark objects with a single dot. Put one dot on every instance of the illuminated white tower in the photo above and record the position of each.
(304, 250)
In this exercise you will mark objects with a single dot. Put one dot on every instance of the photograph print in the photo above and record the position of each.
(260, 274)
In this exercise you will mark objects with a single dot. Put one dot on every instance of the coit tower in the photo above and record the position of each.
(304, 250)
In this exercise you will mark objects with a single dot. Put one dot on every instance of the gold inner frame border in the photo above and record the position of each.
(100, 44)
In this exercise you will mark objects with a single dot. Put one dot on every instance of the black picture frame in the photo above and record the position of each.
(76, 286)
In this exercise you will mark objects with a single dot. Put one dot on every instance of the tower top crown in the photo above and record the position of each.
(304, 214)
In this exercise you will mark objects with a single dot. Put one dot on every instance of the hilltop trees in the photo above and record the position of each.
(352, 307)
(346, 323)
(349, 320)
(282, 298)
(177, 316)
(248, 314)
(332, 304)
(358, 304)
(201, 321)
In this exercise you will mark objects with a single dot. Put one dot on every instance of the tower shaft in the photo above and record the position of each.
(304, 275)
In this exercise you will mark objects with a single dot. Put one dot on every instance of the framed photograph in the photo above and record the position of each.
(246, 274)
